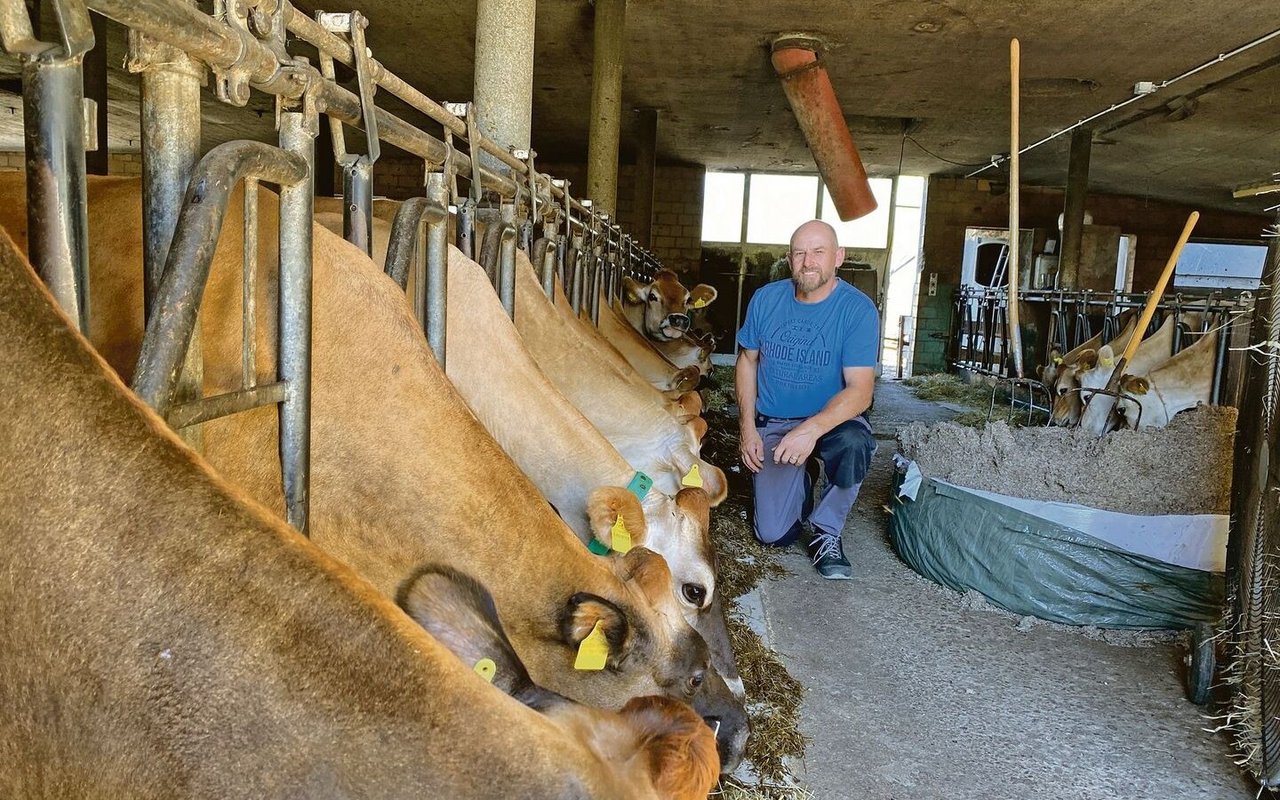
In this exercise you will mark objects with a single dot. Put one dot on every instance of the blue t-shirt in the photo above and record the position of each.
(805, 346)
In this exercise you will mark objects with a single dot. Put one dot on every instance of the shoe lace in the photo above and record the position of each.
(825, 545)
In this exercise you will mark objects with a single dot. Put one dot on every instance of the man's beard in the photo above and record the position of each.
(809, 284)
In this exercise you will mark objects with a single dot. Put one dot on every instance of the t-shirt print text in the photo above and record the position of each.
(796, 351)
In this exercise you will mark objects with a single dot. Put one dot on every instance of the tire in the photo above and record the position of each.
(1201, 663)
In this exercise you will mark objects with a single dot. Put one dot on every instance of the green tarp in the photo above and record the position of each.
(1033, 566)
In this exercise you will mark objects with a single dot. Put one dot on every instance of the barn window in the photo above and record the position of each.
(778, 204)
(1220, 265)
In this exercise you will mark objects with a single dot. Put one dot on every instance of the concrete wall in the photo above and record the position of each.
(117, 163)
(952, 204)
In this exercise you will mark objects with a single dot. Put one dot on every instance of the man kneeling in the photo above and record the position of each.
(804, 379)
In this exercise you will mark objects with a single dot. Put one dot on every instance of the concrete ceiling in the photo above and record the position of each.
(924, 83)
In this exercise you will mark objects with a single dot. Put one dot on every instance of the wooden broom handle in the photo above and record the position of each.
(1149, 310)
(1015, 330)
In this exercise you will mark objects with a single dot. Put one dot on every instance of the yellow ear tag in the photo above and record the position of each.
(692, 478)
(701, 302)
(621, 536)
(486, 669)
(593, 652)
(1057, 359)
(1108, 363)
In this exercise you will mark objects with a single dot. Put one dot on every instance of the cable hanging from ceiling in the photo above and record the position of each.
(1141, 89)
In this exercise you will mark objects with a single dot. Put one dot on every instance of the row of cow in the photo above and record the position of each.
(168, 635)
(1156, 383)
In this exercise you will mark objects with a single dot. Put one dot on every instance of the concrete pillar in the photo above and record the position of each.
(504, 70)
(606, 103)
(646, 166)
(1073, 208)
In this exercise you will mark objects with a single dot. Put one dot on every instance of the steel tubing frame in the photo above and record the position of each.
(177, 302)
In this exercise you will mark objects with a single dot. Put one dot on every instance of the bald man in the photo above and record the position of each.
(804, 378)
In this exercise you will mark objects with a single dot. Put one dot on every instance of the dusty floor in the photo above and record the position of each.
(916, 693)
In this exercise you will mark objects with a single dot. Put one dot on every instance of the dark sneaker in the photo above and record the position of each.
(827, 553)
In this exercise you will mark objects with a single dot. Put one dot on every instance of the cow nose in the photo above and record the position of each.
(680, 322)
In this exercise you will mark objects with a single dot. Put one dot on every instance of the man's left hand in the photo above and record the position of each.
(795, 447)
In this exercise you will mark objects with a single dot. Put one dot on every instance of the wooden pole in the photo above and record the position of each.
(1015, 332)
(1149, 310)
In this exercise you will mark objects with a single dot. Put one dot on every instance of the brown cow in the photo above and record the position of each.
(402, 473)
(164, 637)
(660, 309)
(655, 739)
(628, 416)
(640, 353)
(566, 457)
(1183, 381)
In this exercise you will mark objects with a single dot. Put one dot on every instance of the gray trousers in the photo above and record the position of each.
(783, 493)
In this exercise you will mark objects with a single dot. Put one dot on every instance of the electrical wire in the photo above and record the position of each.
(927, 151)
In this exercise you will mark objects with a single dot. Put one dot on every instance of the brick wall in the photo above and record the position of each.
(117, 163)
(952, 204)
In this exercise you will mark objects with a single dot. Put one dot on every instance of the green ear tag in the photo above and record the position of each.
(598, 547)
(640, 485)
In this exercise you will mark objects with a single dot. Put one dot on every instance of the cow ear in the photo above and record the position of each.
(1087, 360)
(697, 505)
(581, 615)
(633, 291)
(714, 483)
(459, 613)
(702, 296)
(699, 426)
(679, 747)
(1106, 357)
(605, 506)
(647, 572)
(1132, 384)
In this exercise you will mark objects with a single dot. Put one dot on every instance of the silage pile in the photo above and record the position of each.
(1184, 468)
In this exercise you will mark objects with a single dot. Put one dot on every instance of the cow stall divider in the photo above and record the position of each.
(1061, 320)
(246, 46)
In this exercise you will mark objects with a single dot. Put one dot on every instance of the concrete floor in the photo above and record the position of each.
(914, 693)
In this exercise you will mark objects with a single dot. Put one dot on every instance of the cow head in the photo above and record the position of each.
(655, 740)
(1067, 403)
(660, 309)
(1098, 412)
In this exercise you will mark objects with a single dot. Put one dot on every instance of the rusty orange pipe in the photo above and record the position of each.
(813, 101)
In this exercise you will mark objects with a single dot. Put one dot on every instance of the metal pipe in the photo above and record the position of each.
(438, 267)
(402, 244)
(490, 243)
(609, 38)
(222, 405)
(222, 47)
(297, 139)
(575, 278)
(357, 202)
(813, 101)
(170, 132)
(249, 288)
(507, 260)
(187, 270)
(597, 275)
(549, 258)
(57, 216)
(466, 230)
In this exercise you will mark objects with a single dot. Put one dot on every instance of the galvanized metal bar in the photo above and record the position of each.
(507, 260)
(576, 258)
(57, 215)
(357, 202)
(490, 242)
(466, 227)
(182, 286)
(249, 288)
(222, 405)
(297, 139)
(402, 244)
(548, 269)
(597, 278)
(437, 267)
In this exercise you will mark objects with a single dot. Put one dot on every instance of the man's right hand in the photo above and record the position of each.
(752, 448)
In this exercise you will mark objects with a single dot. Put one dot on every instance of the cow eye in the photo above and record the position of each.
(695, 680)
(694, 593)
(653, 297)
